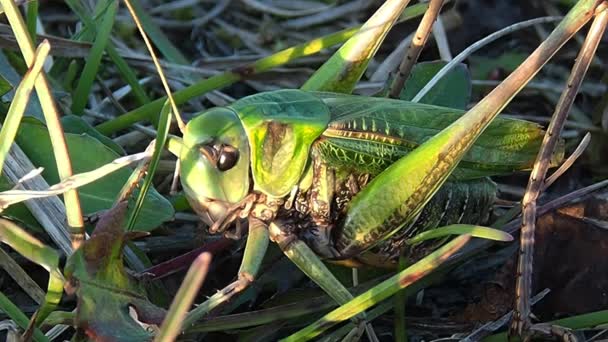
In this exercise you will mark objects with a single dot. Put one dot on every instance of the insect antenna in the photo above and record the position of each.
(161, 74)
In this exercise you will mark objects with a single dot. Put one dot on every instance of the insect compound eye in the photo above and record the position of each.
(228, 156)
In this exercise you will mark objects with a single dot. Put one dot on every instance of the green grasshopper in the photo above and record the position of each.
(343, 178)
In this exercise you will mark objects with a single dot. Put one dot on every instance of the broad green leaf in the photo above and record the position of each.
(452, 91)
(76, 125)
(87, 153)
(481, 66)
(106, 292)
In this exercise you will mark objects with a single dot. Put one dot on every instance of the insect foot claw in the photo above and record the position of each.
(280, 237)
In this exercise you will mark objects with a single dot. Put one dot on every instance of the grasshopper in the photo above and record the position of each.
(344, 178)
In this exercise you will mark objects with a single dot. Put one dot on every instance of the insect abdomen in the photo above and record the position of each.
(466, 202)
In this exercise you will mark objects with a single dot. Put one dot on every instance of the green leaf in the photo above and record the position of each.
(106, 292)
(80, 96)
(87, 153)
(452, 91)
(5, 86)
(77, 125)
(481, 66)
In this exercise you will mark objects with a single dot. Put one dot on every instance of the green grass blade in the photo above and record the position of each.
(19, 317)
(461, 229)
(51, 115)
(172, 324)
(37, 252)
(162, 43)
(589, 320)
(20, 101)
(381, 291)
(344, 69)
(89, 30)
(161, 139)
(400, 301)
(32, 18)
(86, 79)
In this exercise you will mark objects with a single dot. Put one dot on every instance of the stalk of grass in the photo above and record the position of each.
(589, 320)
(521, 316)
(127, 74)
(416, 45)
(382, 291)
(461, 229)
(264, 316)
(159, 70)
(10, 197)
(400, 302)
(19, 317)
(21, 277)
(149, 110)
(93, 61)
(20, 101)
(37, 252)
(51, 114)
(159, 145)
(32, 18)
(345, 67)
(162, 43)
(172, 324)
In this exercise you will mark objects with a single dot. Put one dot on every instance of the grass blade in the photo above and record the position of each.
(461, 229)
(380, 292)
(127, 74)
(51, 115)
(20, 101)
(35, 251)
(172, 324)
(161, 138)
(162, 43)
(86, 79)
(19, 317)
(345, 67)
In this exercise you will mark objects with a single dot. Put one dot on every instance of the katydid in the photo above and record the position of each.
(341, 177)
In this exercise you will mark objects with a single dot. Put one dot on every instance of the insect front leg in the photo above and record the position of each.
(255, 249)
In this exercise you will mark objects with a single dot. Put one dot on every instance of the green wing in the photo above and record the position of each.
(368, 134)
